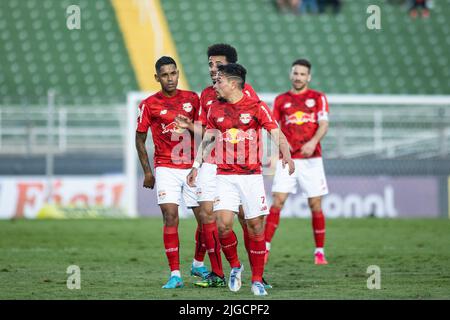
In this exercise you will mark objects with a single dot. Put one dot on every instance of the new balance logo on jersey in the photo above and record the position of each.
(209, 102)
(187, 107)
(287, 105)
(220, 119)
(163, 111)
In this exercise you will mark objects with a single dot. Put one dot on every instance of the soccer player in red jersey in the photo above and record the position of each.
(218, 54)
(303, 117)
(234, 124)
(174, 151)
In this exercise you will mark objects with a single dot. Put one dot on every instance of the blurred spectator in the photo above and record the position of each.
(335, 4)
(309, 4)
(285, 6)
(415, 5)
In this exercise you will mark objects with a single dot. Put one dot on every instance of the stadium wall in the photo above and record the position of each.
(359, 188)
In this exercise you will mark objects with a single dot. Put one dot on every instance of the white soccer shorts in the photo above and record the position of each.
(206, 182)
(248, 189)
(309, 173)
(171, 186)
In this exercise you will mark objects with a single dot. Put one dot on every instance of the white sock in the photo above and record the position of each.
(268, 246)
(319, 250)
(197, 264)
(175, 273)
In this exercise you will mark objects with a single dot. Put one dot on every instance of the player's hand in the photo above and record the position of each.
(191, 177)
(290, 164)
(149, 181)
(308, 149)
(183, 121)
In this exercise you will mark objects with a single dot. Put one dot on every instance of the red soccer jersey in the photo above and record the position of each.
(207, 97)
(299, 116)
(174, 147)
(237, 130)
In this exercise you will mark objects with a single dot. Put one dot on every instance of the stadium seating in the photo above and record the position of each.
(38, 52)
(92, 65)
(405, 57)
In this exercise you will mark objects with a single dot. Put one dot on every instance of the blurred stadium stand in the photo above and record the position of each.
(38, 52)
(405, 57)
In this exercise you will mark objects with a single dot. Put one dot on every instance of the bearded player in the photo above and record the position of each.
(302, 114)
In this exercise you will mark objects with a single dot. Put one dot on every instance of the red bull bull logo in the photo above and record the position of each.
(171, 127)
(235, 135)
(300, 118)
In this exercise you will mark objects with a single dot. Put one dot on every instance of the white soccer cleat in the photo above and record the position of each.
(258, 289)
(235, 282)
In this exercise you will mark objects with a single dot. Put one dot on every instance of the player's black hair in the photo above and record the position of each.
(164, 60)
(302, 62)
(233, 70)
(223, 49)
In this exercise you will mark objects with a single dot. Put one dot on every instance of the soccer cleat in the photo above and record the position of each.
(266, 284)
(174, 283)
(258, 289)
(201, 272)
(235, 282)
(211, 281)
(319, 258)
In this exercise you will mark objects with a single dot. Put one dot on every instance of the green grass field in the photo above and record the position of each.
(124, 259)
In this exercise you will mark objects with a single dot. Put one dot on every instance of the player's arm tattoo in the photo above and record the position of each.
(142, 152)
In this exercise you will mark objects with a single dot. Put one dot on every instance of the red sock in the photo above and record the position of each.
(212, 242)
(246, 240)
(200, 247)
(229, 242)
(171, 243)
(257, 253)
(272, 221)
(318, 224)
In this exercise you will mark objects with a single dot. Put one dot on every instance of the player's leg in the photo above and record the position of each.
(190, 198)
(226, 205)
(206, 189)
(216, 277)
(169, 190)
(243, 223)
(257, 252)
(198, 267)
(229, 242)
(171, 244)
(283, 184)
(254, 202)
(314, 185)
(273, 219)
(318, 225)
